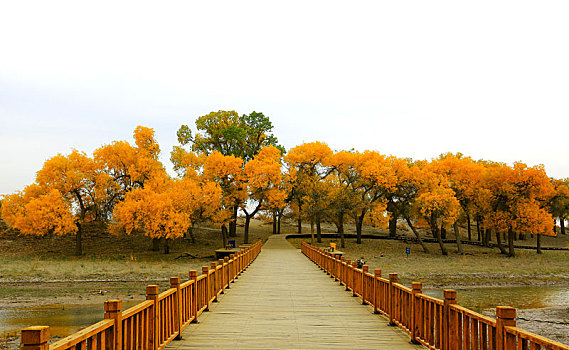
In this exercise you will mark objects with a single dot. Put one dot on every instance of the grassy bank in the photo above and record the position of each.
(477, 267)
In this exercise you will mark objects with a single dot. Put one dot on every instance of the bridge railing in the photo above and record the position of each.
(437, 324)
(154, 323)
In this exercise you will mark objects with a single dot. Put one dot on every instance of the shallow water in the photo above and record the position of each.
(518, 297)
(62, 319)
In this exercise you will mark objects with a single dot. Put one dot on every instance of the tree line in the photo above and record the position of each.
(234, 163)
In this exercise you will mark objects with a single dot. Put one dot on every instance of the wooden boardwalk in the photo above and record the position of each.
(283, 301)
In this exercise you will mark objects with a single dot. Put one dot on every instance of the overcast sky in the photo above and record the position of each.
(489, 79)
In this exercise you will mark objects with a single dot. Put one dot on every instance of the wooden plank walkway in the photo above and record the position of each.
(284, 301)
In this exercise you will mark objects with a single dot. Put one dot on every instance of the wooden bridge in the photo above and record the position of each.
(284, 302)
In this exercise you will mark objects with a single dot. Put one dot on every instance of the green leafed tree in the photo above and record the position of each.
(230, 134)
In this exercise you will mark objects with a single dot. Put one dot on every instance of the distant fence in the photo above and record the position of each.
(154, 323)
(435, 323)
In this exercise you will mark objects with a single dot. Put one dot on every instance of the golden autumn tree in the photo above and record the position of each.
(227, 173)
(367, 177)
(306, 170)
(128, 166)
(264, 184)
(67, 186)
(435, 202)
(559, 202)
(518, 196)
(34, 212)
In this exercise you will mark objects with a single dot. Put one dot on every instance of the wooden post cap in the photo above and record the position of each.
(354, 264)
(505, 312)
(193, 274)
(36, 335)
(232, 256)
(174, 282)
(417, 286)
(213, 265)
(152, 289)
(113, 305)
(393, 277)
(220, 261)
(343, 258)
(205, 270)
(377, 272)
(349, 262)
(450, 294)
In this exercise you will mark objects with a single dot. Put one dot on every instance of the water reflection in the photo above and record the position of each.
(518, 297)
(63, 320)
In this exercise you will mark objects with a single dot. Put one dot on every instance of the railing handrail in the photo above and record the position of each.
(159, 319)
(83, 334)
(435, 323)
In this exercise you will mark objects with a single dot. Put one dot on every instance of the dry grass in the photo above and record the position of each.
(479, 266)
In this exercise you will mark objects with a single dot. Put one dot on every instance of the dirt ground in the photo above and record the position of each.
(36, 271)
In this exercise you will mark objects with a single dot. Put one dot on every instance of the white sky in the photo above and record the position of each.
(411, 78)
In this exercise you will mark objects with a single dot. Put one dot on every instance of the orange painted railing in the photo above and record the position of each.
(154, 323)
(435, 323)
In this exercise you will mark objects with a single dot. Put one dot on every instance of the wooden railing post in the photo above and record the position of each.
(113, 312)
(342, 270)
(391, 308)
(505, 316)
(152, 294)
(177, 314)
(232, 269)
(354, 277)
(215, 280)
(222, 277)
(376, 289)
(348, 273)
(194, 295)
(448, 331)
(416, 316)
(365, 269)
(226, 270)
(35, 338)
(205, 271)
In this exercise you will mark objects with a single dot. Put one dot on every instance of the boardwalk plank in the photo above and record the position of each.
(283, 301)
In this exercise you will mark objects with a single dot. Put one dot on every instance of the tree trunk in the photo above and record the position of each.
(538, 243)
(416, 234)
(511, 235)
(393, 226)
(522, 237)
(341, 229)
(457, 235)
(437, 235)
(392, 210)
(79, 240)
(224, 235)
(468, 227)
(562, 224)
(274, 222)
(246, 231)
(499, 243)
(488, 237)
(478, 230)
(312, 225)
(279, 215)
(359, 225)
(191, 234)
(155, 244)
(233, 222)
(318, 230)
(299, 224)
(166, 246)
